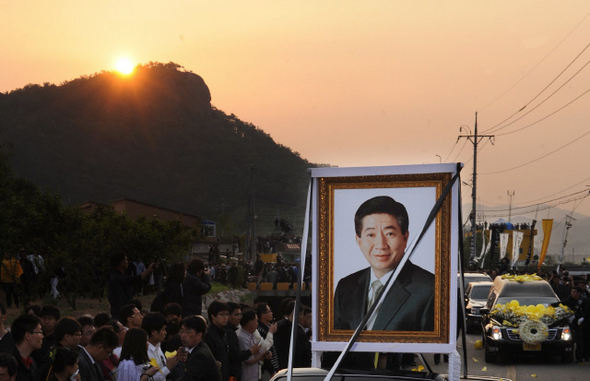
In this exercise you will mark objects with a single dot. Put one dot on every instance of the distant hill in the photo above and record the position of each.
(152, 137)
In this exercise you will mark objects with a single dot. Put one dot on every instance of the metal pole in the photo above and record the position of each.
(474, 193)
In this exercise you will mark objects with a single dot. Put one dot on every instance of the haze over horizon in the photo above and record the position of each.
(354, 83)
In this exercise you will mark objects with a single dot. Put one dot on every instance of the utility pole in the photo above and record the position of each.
(251, 232)
(568, 225)
(510, 205)
(475, 139)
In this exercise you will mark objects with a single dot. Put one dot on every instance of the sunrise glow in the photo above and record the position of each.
(124, 66)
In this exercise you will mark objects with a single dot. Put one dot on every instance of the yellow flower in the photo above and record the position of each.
(170, 354)
(154, 363)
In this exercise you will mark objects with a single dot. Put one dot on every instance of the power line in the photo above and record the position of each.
(553, 113)
(534, 67)
(542, 198)
(542, 102)
(537, 207)
(557, 199)
(537, 159)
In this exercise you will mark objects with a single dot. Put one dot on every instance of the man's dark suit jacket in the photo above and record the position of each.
(201, 365)
(88, 370)
(408, 306)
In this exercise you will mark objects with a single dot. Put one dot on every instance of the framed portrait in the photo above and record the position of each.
(379, 231)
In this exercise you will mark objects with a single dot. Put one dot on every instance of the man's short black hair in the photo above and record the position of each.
(289, 308)
(66, 326)
(233, 306)
(247, 317)
(106, 337)
(2, 309)
(196, 322)
(50, 310)
(304, 310)
(195, 266)
(113, 324)
(117, 257)
(126, 312)
(137, 304)
(23, 324)
(381, 205)
(101, 319)
(9, 362)
(216, 307)
(85, 321)
(154, 321)
(172, 309)
(33, 307)
(260, 308)
(63, 357)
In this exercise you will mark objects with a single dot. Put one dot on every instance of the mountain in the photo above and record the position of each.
(578, 239)
(153, 137)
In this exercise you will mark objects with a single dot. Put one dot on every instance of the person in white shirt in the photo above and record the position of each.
(155, 325)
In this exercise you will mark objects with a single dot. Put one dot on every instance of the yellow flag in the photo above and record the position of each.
(547, 227)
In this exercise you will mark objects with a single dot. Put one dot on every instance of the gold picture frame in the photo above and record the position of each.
(337, 198)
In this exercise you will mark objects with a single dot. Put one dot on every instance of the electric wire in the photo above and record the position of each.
(492, 130)
(451, 151)
(541, 207)
(534, 67)
(542, 199)
(549, 115)
(557, 199)
(537, 159)
(462, 147)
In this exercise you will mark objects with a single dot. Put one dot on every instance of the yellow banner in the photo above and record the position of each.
(547, 226)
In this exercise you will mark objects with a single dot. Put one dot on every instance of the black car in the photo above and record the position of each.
(548, 335)
(473, 277)
(476, 296)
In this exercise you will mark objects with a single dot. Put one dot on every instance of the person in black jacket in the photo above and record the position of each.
(282, 339)
(28, 336)
(200, 363)
(120, 290)
(236, 356)
(216, 337)
(173, 290)
(103, 342)
(196, 283)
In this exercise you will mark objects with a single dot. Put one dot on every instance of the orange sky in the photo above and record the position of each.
(350, 83)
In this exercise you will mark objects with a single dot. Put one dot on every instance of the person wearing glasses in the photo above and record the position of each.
(28, 336)
(67, 334)
(200, 363)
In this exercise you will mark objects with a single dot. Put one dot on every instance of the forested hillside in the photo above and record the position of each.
(154, 137)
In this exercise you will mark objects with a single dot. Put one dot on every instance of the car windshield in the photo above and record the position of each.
(528, 300)
(480, 292)
(475, 278)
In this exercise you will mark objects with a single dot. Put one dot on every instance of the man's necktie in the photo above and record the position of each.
(376, 286)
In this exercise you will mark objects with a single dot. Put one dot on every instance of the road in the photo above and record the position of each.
(516, 369)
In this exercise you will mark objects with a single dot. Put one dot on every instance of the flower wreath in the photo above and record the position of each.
(533, 331)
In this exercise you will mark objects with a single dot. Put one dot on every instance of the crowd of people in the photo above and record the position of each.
(175, 340)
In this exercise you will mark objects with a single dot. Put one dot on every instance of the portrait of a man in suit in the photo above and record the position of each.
(382, 230)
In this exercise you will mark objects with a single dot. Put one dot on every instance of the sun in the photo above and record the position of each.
(124, 66)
